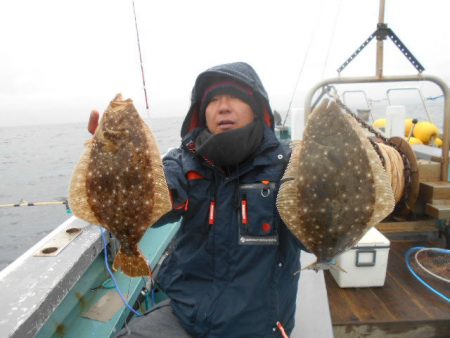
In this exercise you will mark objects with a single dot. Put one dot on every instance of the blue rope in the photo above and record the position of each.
(137, 313)
(408, 254)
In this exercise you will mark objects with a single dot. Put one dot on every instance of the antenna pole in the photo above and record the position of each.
(379, 64)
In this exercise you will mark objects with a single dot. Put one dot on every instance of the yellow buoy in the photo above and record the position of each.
(438, 142)
(414, 140)
(380, 123)
(425, 130)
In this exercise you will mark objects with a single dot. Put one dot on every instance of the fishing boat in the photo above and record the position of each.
(62, 287)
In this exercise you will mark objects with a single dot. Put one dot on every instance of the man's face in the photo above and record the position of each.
(226, 112)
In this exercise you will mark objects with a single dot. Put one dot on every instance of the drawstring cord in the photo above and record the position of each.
(282, 331)
(212, 202)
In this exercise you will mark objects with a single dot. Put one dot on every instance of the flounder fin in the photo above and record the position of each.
(162, 203)
(317, 266)
(292, 167)
(78, 201)
(289, 191)
(132, 266)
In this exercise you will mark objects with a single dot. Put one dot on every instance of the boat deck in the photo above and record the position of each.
(401, 308)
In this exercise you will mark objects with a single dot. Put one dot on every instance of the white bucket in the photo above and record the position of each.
(395, 121)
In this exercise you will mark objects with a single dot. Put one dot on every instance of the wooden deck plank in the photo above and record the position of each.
(396, 298)
(356, 305)
(338, 302)
(410, 329)
(425, 225)
(403, 301)
(404, 290)
(367, 306)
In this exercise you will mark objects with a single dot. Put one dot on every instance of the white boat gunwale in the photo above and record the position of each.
(34, 289)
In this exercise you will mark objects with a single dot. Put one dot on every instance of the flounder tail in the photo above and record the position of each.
(132, 266)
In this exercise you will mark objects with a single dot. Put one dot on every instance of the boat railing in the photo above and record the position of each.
(320, 90)
(422, 99)
(366, 112)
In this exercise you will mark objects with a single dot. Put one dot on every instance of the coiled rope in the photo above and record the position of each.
(440, 263)
(421, 280)
(395, 168)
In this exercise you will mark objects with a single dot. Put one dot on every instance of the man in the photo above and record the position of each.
(232, 269)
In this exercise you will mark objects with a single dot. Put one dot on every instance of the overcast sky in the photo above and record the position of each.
(59, 59)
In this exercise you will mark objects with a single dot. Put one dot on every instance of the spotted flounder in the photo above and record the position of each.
(335, 187)
(119, 183)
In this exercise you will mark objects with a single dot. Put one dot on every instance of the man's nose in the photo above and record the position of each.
(224, 104)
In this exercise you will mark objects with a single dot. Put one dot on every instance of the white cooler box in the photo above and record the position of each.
(365, 263)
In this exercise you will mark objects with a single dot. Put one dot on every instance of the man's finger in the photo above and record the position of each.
(93, 121)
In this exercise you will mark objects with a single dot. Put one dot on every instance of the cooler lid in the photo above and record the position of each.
(373, 237)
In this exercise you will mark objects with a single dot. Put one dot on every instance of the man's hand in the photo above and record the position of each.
(93, 121)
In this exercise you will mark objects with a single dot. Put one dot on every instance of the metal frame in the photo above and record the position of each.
(368, 102)
(425, 106)
(406, 78)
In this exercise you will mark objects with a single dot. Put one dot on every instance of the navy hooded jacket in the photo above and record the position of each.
(232, 271)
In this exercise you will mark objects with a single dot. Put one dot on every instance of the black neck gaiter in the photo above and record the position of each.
(231, 147)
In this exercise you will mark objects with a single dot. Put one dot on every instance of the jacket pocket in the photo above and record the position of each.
(256, 215)
(197, 206)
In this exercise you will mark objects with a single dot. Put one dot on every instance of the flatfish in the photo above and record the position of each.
(335, 187)
(119, 183)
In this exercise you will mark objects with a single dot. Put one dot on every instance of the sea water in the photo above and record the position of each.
(36, 165)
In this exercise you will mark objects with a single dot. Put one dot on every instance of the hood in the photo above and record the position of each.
(237, 71)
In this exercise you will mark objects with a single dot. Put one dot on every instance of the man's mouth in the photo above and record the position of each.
(225, 124)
